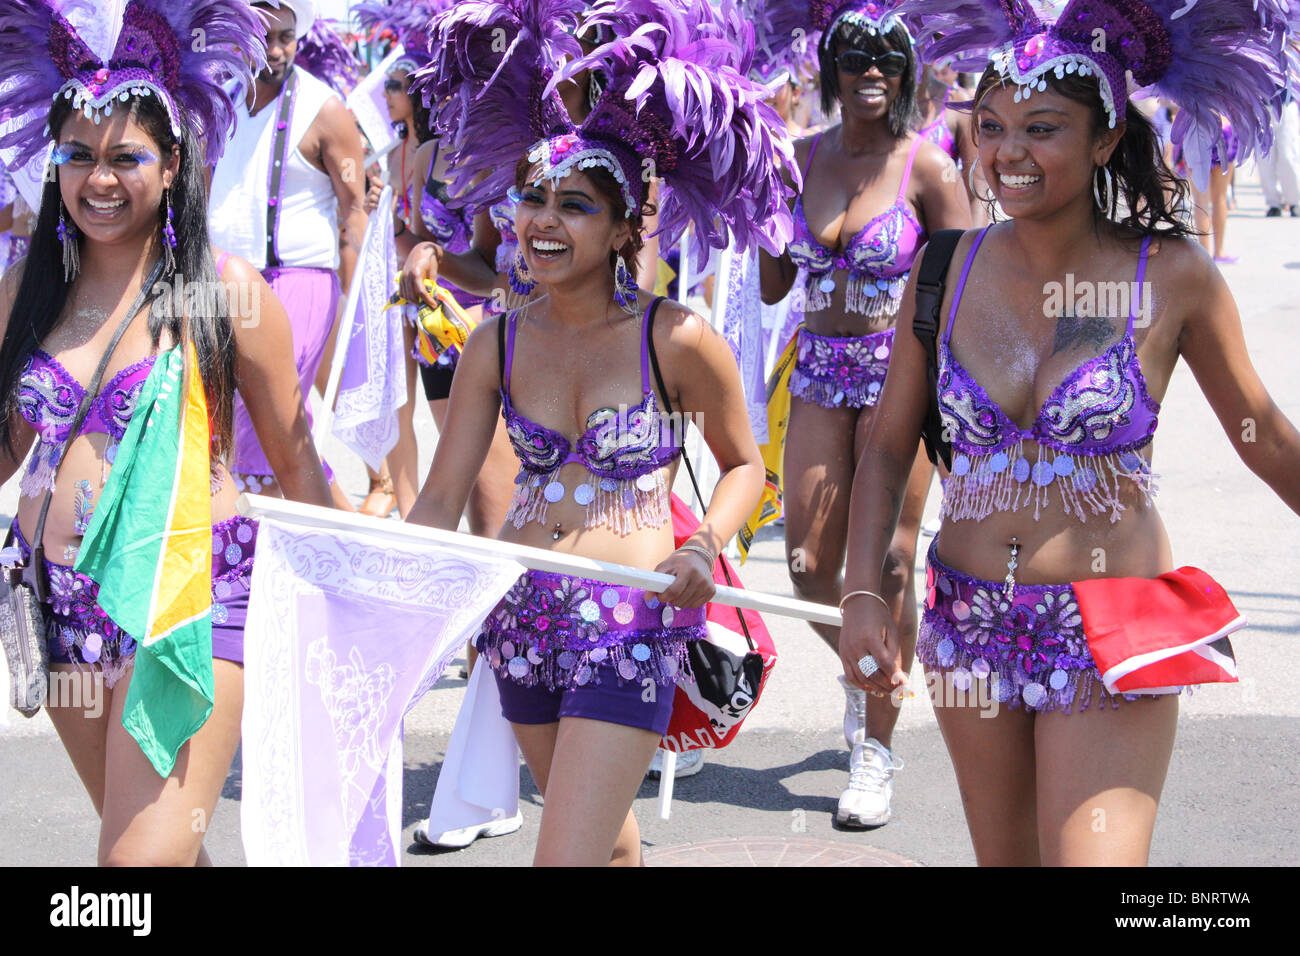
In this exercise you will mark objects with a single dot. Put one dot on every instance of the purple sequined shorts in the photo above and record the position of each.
(841, 372)
(565, 633)
(1031, 649)
(613, 701)
(81, 633)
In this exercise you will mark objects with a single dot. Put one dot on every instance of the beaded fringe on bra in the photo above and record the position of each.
(978, 485)
(863, 294)
(622, 505)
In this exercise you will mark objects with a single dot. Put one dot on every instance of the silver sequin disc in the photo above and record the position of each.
(553, 492)
(584, 494)
(641, 652)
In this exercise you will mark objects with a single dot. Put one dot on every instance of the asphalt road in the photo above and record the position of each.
(1233, 783)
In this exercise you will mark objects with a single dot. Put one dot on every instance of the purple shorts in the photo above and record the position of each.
(841, 372)
(569, 646)
(81, 633)
(311, 298)
(612, 701)
(1031, 648)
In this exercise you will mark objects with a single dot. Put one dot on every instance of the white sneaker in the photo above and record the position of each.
(456, 839)
(871, 786)
(689, 763)
(855, 713)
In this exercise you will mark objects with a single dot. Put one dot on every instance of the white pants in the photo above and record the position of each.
(1279, 171)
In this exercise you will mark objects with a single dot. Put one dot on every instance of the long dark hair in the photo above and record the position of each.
(851, 35)
(205, 321)
(1150, 190)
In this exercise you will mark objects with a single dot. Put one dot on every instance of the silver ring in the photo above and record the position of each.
(867, 664)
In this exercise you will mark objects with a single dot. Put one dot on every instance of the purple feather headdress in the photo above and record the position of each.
(324, 55)
(789, 32)
(410, 22)
(679, 106)
(1214, 58)
(491, 62)
(156, 54)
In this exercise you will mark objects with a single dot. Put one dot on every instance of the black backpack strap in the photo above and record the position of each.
(925, 326)
(668, 405)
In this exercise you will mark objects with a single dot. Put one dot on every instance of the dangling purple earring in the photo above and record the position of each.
(67, 233)
(521, 280)
(169, 235)
(625, 288)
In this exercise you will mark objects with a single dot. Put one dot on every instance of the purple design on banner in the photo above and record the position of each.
(328, 685)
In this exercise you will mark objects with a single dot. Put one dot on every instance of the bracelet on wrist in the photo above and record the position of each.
(700, 549)
(852, 594)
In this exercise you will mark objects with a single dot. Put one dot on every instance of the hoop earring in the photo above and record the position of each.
(625, 288)
(67, 233)
(521, 280)
(990, 200)
(169, 235)
(1108, 179)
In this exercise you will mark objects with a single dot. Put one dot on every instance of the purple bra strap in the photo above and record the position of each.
(1141, 274)
(812, 151)
(645, 349)
(907, 172)
(221, 263)
(510, 349)
(961, 282)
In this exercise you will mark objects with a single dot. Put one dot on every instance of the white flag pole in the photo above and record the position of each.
(326, 419)
(537, 559)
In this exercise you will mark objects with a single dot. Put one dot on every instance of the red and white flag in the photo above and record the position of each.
(1155, 635)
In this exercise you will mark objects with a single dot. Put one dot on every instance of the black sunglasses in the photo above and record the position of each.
(857, 62)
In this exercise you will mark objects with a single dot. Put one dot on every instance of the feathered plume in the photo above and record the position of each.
(967, 31)
(491, 61)
(408, 20)
(1228, 58)
(675, 94)
(186, 50)
(324, 55)
(29, 76)
(233, 49)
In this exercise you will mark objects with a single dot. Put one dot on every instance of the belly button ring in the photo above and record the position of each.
(1010, 590)
(555, 535)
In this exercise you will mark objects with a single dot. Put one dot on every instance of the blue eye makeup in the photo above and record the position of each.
(138, 156)
(528, 196)
(78, 154)
(67, 152)
(580, 206)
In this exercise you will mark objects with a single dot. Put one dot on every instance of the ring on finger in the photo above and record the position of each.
(867, 664)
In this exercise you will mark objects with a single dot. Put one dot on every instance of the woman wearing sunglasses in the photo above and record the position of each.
(873, 190)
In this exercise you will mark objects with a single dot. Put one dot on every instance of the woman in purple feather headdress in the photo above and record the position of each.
(123, 218)
(594, 377)
(873, 189)
(1058, 334)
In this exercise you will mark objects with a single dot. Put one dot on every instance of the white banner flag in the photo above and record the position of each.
(372, 386)
(346, 631)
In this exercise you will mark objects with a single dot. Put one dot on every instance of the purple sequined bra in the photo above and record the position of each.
(48, 398)
(624, 451)
(1089, 433)
(877, 259)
